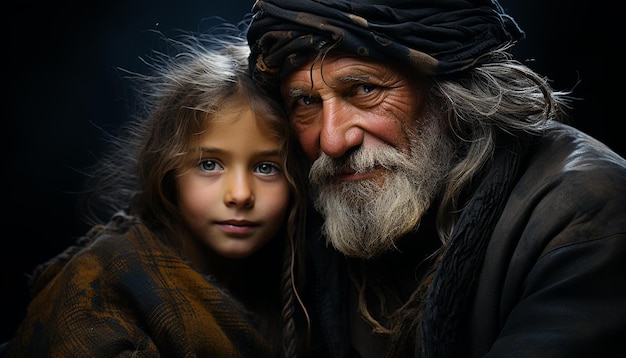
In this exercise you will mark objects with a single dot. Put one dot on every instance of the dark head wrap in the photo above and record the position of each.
(437, 37)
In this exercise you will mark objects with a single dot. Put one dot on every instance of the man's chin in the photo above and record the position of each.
(368, 229)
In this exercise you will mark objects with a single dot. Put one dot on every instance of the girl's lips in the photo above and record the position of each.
(237, 227)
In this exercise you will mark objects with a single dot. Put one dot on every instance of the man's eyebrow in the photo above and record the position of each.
(353, 78)
(297, 92)
(300, 92)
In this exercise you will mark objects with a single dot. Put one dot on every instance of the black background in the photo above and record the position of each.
(63, 85)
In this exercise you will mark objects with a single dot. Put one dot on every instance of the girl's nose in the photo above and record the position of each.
(238, 192)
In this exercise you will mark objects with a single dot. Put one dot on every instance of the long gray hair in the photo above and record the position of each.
(501, 95)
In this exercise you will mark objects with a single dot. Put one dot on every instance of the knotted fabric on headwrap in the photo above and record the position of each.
(438, 37)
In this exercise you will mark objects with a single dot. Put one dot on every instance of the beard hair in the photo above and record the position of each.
(365, 218)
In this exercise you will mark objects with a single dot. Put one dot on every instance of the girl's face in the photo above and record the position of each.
(235, 199)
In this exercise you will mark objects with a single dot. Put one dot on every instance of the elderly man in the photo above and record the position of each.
(460, 215)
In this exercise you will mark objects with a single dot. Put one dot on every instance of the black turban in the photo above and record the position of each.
(437, 37)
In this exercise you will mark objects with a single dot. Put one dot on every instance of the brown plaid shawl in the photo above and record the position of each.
(131, 295)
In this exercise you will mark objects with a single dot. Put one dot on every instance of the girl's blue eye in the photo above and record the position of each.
(209, 165)
(267, 168)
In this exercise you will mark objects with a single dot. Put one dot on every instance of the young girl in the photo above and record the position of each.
(199, 258)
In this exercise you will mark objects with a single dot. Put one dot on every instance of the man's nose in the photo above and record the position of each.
(340, 131)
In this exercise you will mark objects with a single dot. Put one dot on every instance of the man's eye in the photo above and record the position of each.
(209, 165)
(364, 88)
(308, 100)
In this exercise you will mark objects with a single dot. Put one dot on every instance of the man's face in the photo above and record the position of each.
(345, 102)
(378, 160)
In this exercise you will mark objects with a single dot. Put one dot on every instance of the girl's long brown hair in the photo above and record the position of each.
(190, 79)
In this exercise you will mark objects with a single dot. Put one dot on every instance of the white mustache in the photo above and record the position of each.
(360, 160)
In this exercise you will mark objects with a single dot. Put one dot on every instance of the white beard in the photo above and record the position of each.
(365, 218)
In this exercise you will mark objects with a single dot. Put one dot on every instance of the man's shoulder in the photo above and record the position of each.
(563, 152)
(571, 179)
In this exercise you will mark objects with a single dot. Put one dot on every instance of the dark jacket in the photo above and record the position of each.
(551, 278)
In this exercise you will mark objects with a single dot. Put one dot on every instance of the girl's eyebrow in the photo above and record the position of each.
(263, 153)
(211, 150)
(269, 153)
